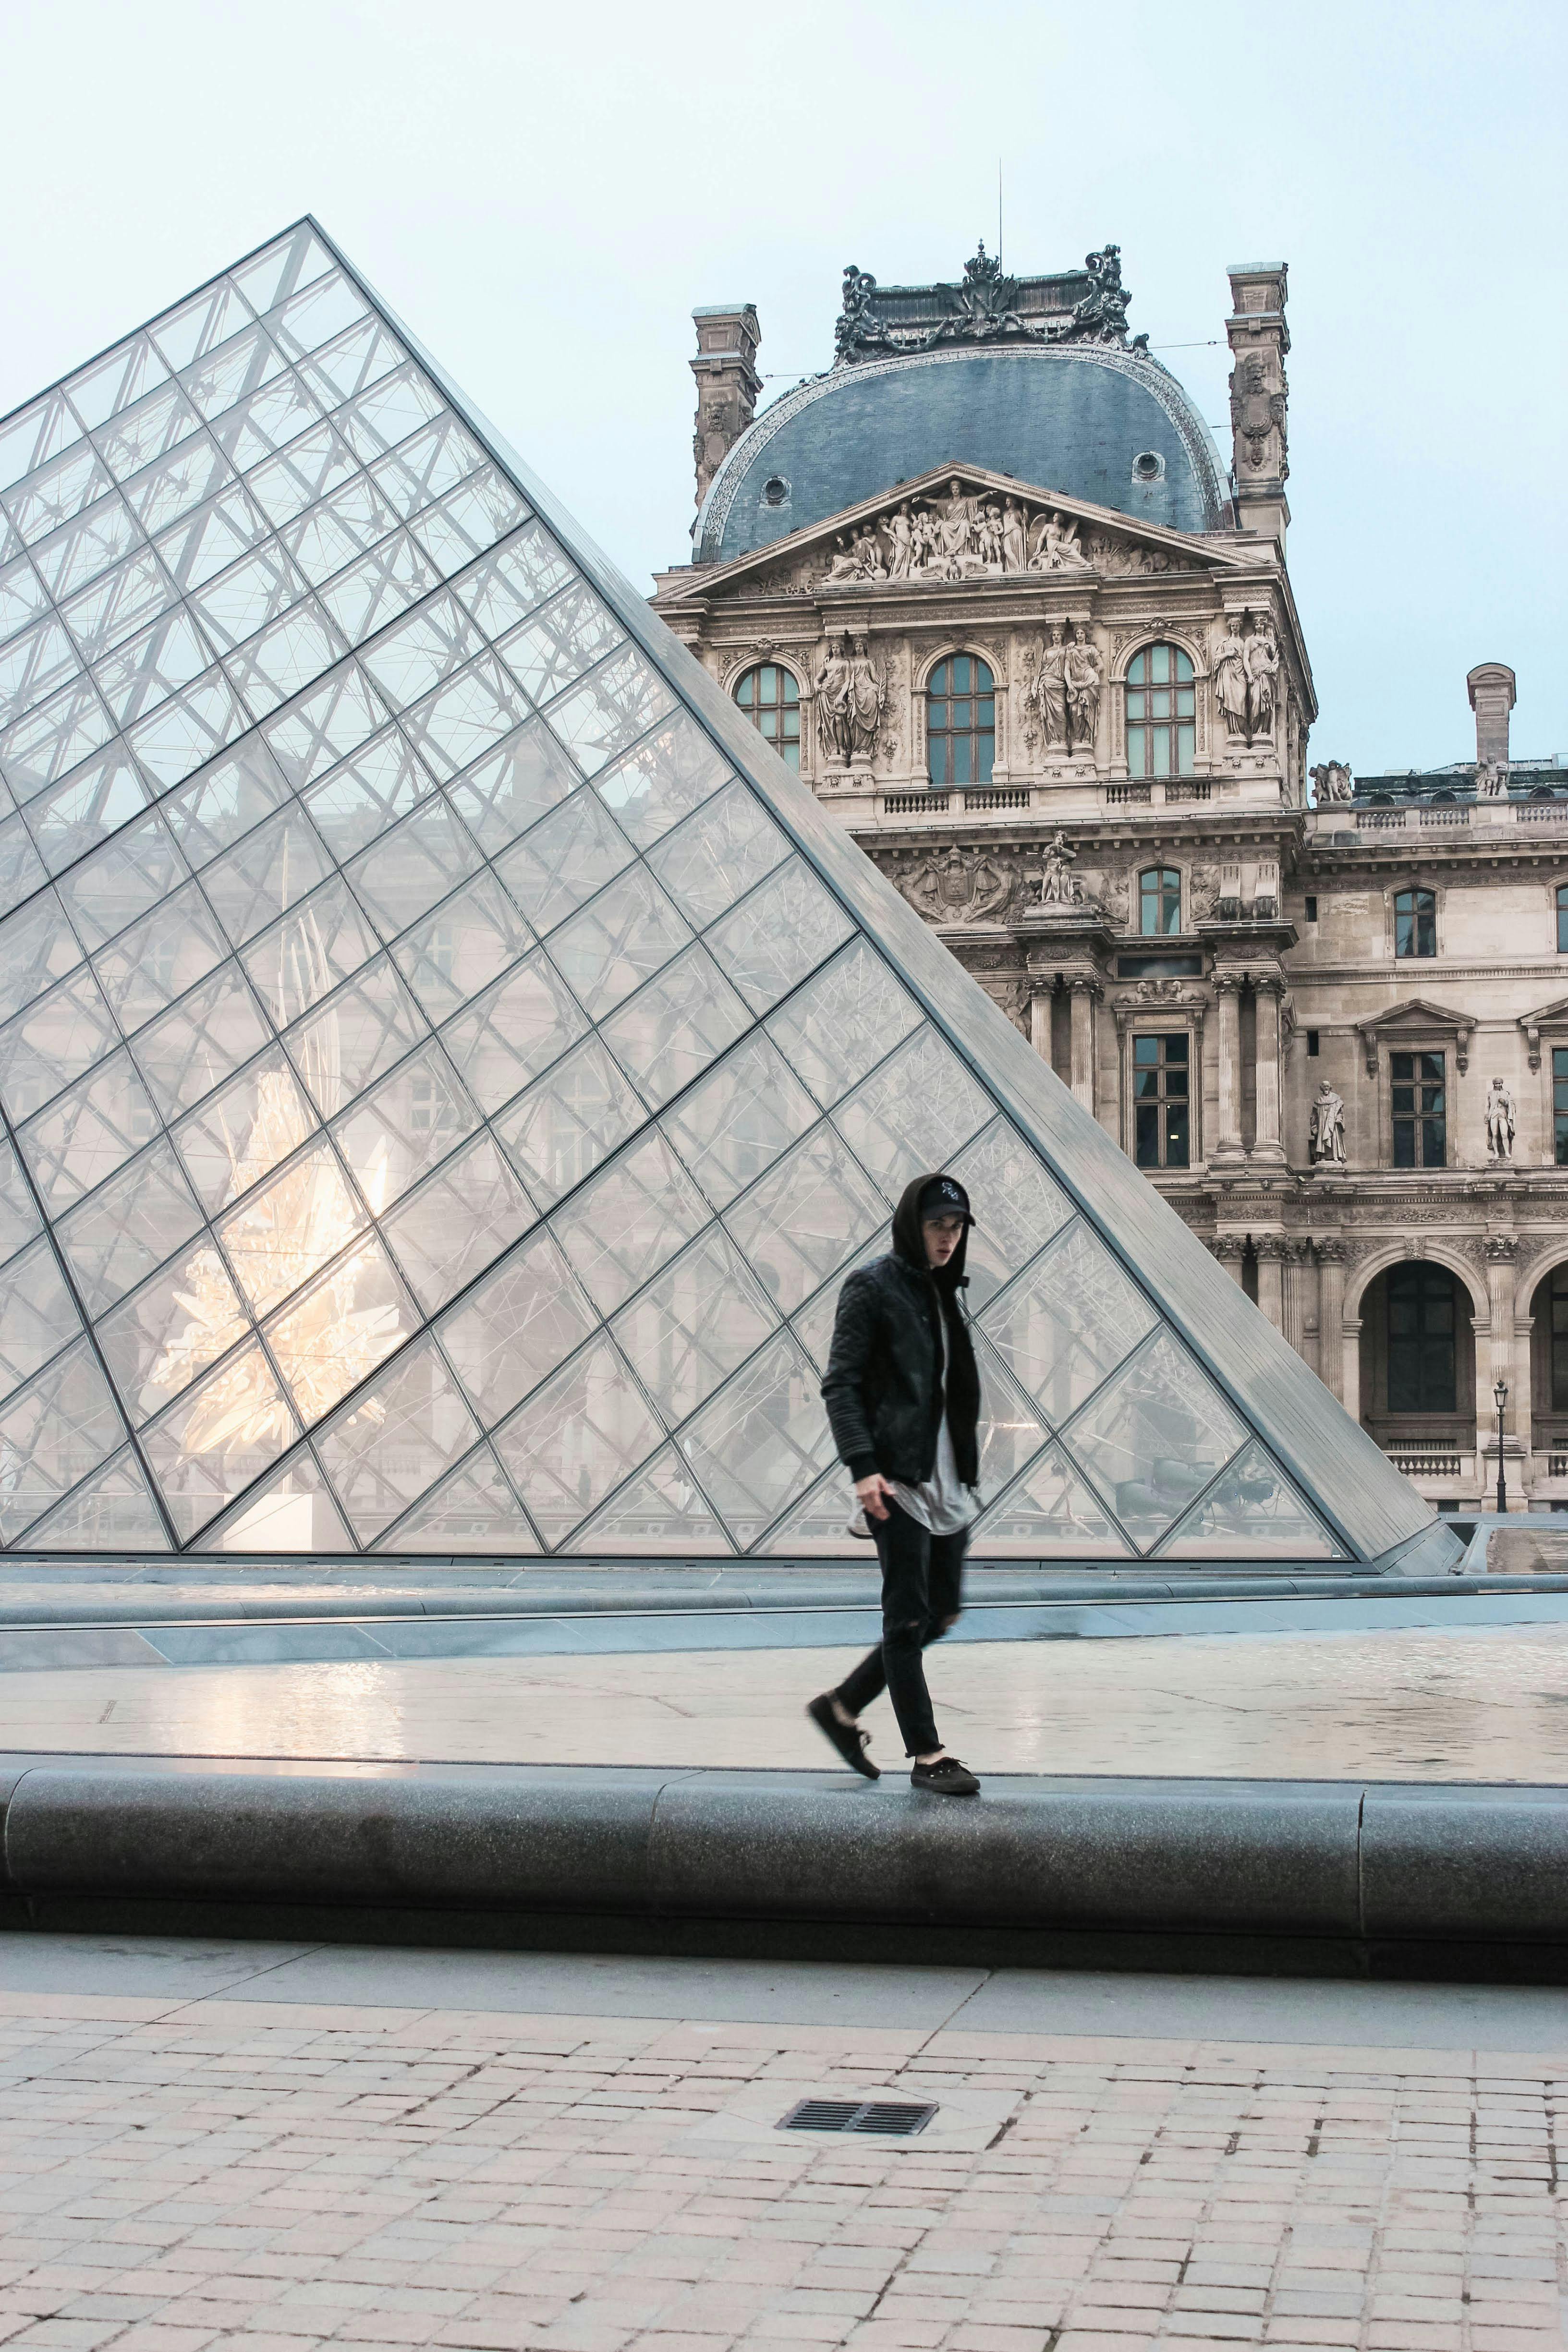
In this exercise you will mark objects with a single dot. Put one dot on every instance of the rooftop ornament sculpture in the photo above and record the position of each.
(983, 306)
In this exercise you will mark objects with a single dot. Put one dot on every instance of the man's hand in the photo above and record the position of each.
(870, 1493)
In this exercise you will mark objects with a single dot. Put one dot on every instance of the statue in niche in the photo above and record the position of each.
(1326, 1129)
(1500, 1120)
(1262, 669)
(1331, 782)
(1049, 691)
(1082, 671)
(865, 699)
(1060, 886)
(1230, 681)
(832, 684)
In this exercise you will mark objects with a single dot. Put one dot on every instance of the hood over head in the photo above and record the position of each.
(909, 1241)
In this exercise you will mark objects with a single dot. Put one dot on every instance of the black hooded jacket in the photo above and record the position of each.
(884, 1389)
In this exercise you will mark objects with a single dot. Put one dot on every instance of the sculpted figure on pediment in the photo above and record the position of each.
(1015, 537)
(1055, 545)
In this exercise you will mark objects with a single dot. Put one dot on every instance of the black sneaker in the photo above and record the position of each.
(847, 1737)
(946, 1777)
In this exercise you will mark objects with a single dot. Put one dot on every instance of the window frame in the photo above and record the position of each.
(1421, 1277)
(1162, 1107)
(1418, 1117)
(1560, 897)
(1417, 893)
(1154, 706)
(783, 742)
(977, 736)
(1167, 881)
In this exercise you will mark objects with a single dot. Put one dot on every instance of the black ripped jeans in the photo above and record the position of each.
(923, 1592)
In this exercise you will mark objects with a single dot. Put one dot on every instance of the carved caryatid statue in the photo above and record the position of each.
(1083, 678)
(834, 730)
(866, 700)
(1500, 1120)
(1262, 669)
(1049, 691)
(1326, 1130)
(1230, 681)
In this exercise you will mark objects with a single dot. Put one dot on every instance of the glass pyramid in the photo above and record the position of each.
(448, 1065)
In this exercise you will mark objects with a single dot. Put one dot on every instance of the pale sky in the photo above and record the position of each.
(543, 193)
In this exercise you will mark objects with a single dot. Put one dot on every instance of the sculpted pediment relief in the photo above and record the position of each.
(960, 524)
(1419, 1016)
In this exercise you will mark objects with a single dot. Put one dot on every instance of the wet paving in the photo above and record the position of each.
(1473, 1705)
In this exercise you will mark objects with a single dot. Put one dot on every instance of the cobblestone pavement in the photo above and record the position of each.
(180, 2174)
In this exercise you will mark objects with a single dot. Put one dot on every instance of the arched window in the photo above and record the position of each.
(1162, 713)
(770, 697)
(1562, 918)
(1423, 1327)
(960, 721)
(1556, 1289)
(1159, 901)
(1415, 923)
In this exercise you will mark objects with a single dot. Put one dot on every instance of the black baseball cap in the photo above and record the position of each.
(944, 1196)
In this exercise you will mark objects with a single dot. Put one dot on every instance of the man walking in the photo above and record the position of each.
(902, 1394)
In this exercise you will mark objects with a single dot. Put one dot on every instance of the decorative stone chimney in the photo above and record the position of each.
(1491, 699)
(1259, 395)
(727, 382)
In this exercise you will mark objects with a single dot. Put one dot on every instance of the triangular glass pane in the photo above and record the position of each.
(1050, 1513)
(444, 1235)
(694, 1326)
(136, 1223)
(52, 1433)
(761, 1441)
(1154, 1436)
(57, 1039)
(1251, 1512)
(580, 1435)
(663, 1510)
(818, 1525)
(395, 1440)
(473, 1510)
(292, 1511)
(516, 1327)
(113, 1511)
(914, 1115)
(1023, 1208)
(569, 1121)
(38, 1315)
(1068, 1322)
(157, 1343)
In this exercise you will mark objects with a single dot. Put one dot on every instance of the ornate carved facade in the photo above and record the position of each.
(1059, 691)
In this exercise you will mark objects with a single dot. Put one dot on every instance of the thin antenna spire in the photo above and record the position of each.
(998, 207)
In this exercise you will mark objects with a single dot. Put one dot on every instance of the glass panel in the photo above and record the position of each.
(52, 1435)
(428, 464)
(633, 1217)
(560, 1130)
(763, 1440)
(200, 325)
(397, 405)
(40, 434)
(154, 425)
(207, 543)
(510, 1333)
(285, 658)
(914, 1114)
(159, 1341)
(818, 1525)
(292, 1511)
(578, 1437)
(614, 704)
(1252, 1511)
(1010, 1432)
(89, 1132)
(381, 584)
(845, 1022)
(473, 1510)
(779, 934)
(465, 718)
(354, 362)
(564, 861)
(309, 952)
(252, 429)
(54, 738)
(244, 1134)
(245, 361)
(189, 730)
(146, 671)
(658, 783)
(21, 872)
(737, 1122)
(668, 1036)
(209, 1446)
(22, 597)
(305, 475)
(313, 317)
(694, 1326)
(55, 1040)
(35, 949)
(32, 666)
(472, 517)
(59, 491)
(127, 877)
(450, 1230)
(330, 723)
(288, 1230)
(360, 800)
(137, 1219)
(628, 932)
(91, 544)
(813, 1325)
(662, 1510)
(346, 1324)
(398, 1441)
(72, 818)
(202, 1042)
(1050, 1513)
(396, 1135)
(1015, 1204)
(114, 1511)
(517, 784)
(1068, 1322)
(225, 801)
(293, 261)
(565, 637)
(281, 862)
(513, 579)
(515, 1031)
(719, 853)
(411, 869)
(1153, 1437)
(410, 659)
(245, 599)
(37, 1315)
(159, 957)
(19, 1217)
(800, 1224)
(461, 948)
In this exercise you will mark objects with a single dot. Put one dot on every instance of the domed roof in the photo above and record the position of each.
(1083, 419)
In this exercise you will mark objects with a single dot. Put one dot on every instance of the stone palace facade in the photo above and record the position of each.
(988, 585)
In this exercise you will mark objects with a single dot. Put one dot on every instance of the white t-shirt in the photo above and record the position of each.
(941, 1502)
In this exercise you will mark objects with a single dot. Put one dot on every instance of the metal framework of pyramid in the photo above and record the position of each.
(449, 1064)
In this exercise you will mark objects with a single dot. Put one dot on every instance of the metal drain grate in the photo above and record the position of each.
(882, 2118)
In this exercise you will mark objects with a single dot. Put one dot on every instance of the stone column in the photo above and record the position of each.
(1227, 1248)
(1331, 1317)
(1084, 991)
(1040, 1021)
(1293, 1322)
(1502, 1252)
(1227, 993)
(1270, 1250)
(1269, 990)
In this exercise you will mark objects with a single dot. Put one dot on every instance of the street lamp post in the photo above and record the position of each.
(1500, 1394)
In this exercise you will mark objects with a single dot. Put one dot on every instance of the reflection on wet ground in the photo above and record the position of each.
(1411, 1705)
